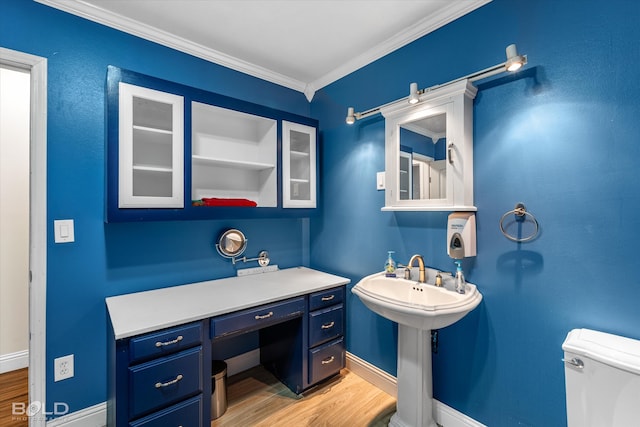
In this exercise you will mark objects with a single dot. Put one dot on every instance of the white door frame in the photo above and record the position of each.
(38, 225)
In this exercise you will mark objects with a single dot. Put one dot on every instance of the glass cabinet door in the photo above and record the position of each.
(151, 148)
(298, 165)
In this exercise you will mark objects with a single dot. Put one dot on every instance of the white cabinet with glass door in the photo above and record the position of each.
(151, 148)
(298, 165)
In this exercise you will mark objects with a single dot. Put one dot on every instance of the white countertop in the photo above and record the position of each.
(141, 312)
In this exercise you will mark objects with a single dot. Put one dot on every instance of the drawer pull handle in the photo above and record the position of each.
(264, 316)
(328, 360)
(328, 325)
(168, 383)
(328, 298)
(176, 341)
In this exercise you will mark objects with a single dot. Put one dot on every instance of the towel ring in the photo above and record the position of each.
(521, 214)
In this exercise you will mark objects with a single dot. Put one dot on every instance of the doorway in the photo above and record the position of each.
(35, 70)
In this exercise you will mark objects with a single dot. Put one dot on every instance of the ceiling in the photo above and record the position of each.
(300, 44)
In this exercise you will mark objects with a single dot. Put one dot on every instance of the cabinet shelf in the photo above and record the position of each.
(150, 168)
(234, 155)
(302, 181)
(152, 130)
(211, 161)
(299, 154)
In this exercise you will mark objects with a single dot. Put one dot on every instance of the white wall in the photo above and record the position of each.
(14, 218)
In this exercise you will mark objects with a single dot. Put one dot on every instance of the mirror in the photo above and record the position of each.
(422, 163)
(429, 151)
(231, 243)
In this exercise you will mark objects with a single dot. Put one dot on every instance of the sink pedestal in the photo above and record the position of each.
(415, 390)
(417, 308)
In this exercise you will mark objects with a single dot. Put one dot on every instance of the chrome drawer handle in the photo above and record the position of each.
(264, 316)
(328, 325)
(168, 383)
(176, 341)
(574, 361)
(329, 298)
(328, 360)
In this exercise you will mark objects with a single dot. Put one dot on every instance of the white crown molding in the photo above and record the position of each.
(147, 32)
(430, 23)
(421, 28)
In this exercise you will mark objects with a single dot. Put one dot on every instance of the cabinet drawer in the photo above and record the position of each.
(185, 414)
(164, 381)
(165, 342)
(326, 298)
(326, 360)
(325, 325)
(256, 318)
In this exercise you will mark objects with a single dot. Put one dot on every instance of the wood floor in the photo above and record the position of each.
(14, 388)
(257, 399)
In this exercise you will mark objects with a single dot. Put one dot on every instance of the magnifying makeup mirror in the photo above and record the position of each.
(232, 243)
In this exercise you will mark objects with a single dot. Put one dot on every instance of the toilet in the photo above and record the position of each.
(602, 379)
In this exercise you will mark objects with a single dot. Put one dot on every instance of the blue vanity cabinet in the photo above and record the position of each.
(175, 152)
(160, 342)
(303, 352)
(160, 378)
(326, 351)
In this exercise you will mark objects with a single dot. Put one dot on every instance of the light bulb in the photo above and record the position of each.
(413, 93)
(351, 119)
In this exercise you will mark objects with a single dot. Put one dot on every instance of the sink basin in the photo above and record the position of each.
(419, 305)
(417, 308)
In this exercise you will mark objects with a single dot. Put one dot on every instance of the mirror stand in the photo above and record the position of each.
(232, 244)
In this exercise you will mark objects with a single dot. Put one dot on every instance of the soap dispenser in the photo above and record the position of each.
(460, 282)
(461, 235)
(390, 265)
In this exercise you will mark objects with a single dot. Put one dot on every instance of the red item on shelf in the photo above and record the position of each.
(214, 201)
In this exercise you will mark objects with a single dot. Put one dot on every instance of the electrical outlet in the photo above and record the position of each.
(63, 368)
(256, 270)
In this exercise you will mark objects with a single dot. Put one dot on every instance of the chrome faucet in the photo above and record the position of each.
(407, 271)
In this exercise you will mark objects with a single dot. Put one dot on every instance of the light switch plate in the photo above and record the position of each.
(63, 231)
(380, 180)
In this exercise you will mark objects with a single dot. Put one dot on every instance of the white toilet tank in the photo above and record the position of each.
(602, 375)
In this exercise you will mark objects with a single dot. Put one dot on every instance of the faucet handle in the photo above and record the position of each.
(407, 273)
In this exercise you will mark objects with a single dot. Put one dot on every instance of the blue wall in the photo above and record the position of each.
(112, 259)
(561, 137)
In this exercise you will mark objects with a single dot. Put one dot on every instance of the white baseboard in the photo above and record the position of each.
(93, 416)
(243, 362)
(372, 374)
(444, 415)
(12, 361)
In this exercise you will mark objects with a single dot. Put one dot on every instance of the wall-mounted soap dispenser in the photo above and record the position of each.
(461, 235)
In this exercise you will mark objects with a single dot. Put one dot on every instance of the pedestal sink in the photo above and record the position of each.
(417, 308)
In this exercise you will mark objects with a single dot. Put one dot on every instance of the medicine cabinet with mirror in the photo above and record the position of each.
(429, 151)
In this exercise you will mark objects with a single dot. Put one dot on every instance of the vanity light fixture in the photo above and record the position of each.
(351, 119)
(414, 97)
(514, 62)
